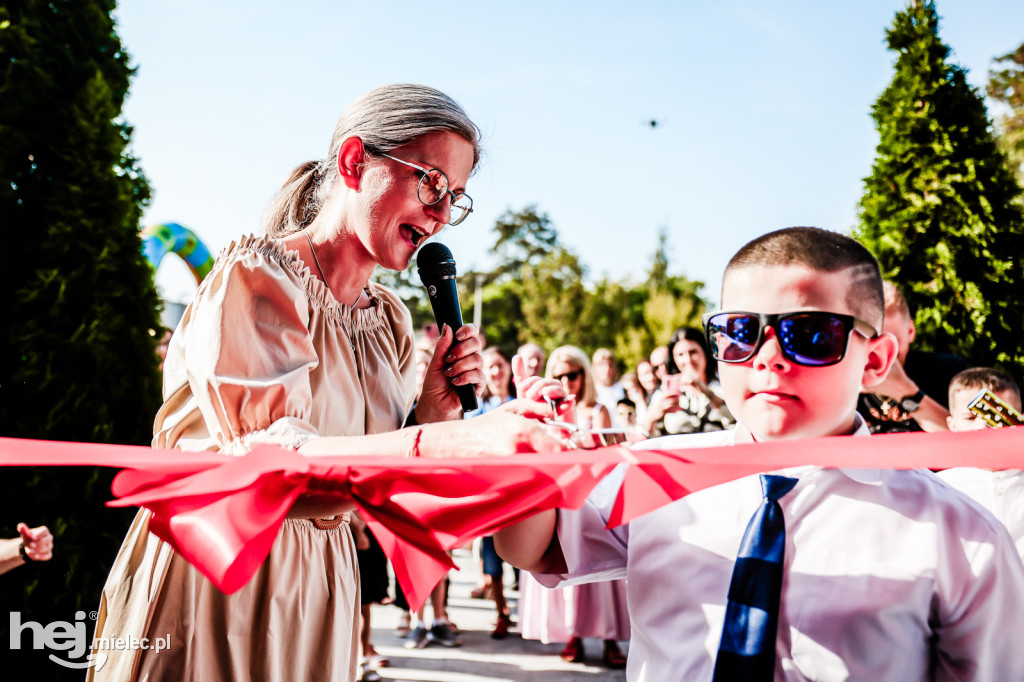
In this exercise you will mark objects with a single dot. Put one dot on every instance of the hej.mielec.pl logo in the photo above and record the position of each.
(70, 637)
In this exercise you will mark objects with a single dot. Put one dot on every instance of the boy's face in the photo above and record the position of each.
(774, 397)
(962, 419)
(625, 415)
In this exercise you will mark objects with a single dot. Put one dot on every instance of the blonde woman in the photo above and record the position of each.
(569, 366)
(598, 610)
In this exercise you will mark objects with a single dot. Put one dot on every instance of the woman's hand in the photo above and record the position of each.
(455, 363)
(661, 404)
(500, 432)
(560, 405)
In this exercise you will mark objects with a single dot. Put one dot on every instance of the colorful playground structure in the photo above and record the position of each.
(159, 240)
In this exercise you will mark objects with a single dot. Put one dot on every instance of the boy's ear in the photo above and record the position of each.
(882, 352)
(351, 156)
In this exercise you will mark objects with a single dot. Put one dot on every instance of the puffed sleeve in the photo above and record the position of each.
(246, 353)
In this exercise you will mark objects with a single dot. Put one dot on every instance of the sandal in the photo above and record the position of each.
(378, 661)
(369, 674)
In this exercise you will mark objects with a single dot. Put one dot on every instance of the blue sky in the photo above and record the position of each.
(764, 111)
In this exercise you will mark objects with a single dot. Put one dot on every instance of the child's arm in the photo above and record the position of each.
(532, 544)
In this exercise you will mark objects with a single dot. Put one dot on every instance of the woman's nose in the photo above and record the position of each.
(441, 211)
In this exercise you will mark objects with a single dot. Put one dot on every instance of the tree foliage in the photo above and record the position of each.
(537, 291)
(938, 209)
(1006, 86)
(80, 306)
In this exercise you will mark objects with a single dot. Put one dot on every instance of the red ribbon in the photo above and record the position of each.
(223, 513)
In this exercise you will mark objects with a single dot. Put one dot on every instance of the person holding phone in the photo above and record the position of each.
(596, 610)
(688, 400)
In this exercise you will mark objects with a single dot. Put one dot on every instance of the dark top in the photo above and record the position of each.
(932, 373)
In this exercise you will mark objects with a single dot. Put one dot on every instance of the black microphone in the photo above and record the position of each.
(436, 267)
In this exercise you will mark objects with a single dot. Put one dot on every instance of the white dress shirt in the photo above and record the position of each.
(889, 575)
(1001, 492)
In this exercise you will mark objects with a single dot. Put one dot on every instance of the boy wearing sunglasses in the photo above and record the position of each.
(881, 574)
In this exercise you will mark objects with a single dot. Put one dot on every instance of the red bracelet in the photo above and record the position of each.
(414, 451)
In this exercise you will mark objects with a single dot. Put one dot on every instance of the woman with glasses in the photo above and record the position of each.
(569, 614)
(688, 400)
(289, 342)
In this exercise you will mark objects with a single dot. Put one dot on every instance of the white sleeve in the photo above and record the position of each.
(592, 551)
(981, 615)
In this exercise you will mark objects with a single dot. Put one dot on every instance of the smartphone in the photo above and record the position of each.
(672, 384)
(993, 410)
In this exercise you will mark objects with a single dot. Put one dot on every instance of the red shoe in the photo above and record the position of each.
(501, 628)
(613, 657)
(573, 651)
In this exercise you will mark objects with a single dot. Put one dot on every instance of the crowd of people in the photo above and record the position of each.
(839, 574)
(675, 390)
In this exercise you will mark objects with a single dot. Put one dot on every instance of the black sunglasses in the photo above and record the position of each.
(571, 376)
(812, 338)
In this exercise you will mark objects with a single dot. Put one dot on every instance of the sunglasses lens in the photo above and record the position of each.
(813, 339)
(733, 336)
(433, 186)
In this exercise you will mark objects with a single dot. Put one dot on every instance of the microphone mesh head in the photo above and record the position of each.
(435, 260)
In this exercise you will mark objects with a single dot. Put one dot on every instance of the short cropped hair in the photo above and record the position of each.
(824, 251)
(977, 378)
(894, 298)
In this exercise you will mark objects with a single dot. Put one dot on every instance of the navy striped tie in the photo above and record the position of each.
(747, 649)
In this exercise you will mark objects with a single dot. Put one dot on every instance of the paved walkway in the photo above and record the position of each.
(480, 658)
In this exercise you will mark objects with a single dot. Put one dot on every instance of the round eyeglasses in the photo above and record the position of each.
(434, 186)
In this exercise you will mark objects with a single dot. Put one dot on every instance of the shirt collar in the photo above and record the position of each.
(741, 435)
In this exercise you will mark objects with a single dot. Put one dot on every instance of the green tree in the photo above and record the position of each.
(1006, 86)
(551, 297)
(525, 237)
(938, 209)
(79, 303)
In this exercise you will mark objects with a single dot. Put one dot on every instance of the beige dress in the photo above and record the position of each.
(264, 354)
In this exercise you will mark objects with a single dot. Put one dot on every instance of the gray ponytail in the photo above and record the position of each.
(384, 118)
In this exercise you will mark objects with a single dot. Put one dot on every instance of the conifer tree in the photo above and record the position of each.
(938, 209)
(1006, 86)
(80, 309)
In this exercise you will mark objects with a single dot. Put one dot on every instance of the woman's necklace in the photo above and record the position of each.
(316, 260)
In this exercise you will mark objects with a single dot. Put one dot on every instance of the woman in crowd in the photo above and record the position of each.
(688, 400)
(647, 379)
(568, 614)
(287, 341)
(499, 389)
